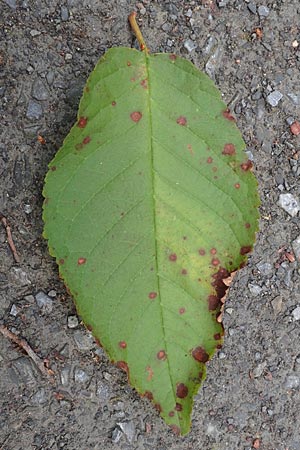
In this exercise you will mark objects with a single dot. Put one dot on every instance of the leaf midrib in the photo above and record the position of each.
(147, 59)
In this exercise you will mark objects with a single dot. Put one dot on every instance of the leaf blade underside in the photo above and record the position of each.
(149, 204)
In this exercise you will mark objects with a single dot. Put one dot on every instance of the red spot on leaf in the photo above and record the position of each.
(182, 390)
(113, 103)
(209, 160)
(184, 272)
(82, 122)
(122, 344)
(229, 149)
(171, 414)
(181, 310)
(184, 238)
(213, 302)
(295, 128)
(175, 429)
(144, 83)
(53, 168)
(81, 261)
(161, 355)
(246, 249)
(152, 295)
(199, 354)
(201, 251)
(136, 116)
(86, 140)
(237, 185)
(227, 114)
(213, 251)
(61, 261)
(217, 336)
(178, 407)
(173, 257)
(181, 121)
(148, 395)
(215, 262)
(247, 225)
(150, 373)
(247, 166)
(128, 63)
(173, 57)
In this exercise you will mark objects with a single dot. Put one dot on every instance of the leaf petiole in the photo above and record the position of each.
(137, 32)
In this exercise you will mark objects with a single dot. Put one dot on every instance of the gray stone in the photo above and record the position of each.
(50, 77)
(296, 313)
(27, 208)
(34, 33)
(80, 376)
(116, 435)
(289, 203)
(292, 382)
(213, 63)
(64, 13)
(11, 3)
(259, 369)
(277, 304)
(20, 276)
(65, 376)
(52, 293)
(190, 45)
(40, 397)
(103, 392)
(128, 429)
(39, 90)
(83, 341)
(166, 27)
(274, 98)
(222, 3)
(265, 268)
(72, 322)
(14, 310)
(252, 8)
(294, 98)
(34, 110)
(254, 289)
(296, 248)
(44, 302)
(263, 11)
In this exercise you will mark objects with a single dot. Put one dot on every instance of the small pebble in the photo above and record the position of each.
(292, 382)
(52, 293)
(222, 3)
(68, 56)
(116, 435)
(296, 248)
(265, 268)
(14, 310)
(221, 355)
(128, 429)
(72, 322)
(289, 203)
(39, 90)
(44, 302)
(83, 340)
(259, 369)
(11, 3)
(277, 304)
(34, 33)
(189, 45)
(254, 289)
(64, 13)
(20, 276)
(34, 110)
(252, 8)
(27, 209)
(296, 313)
(263, 11)
(295, 128)
(274, 98)
(80, 376)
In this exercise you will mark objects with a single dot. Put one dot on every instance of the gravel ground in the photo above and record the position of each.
(251, 397)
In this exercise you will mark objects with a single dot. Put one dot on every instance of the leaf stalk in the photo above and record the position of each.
(136, 29)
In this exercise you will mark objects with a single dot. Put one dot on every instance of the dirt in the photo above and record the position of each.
(251, 395)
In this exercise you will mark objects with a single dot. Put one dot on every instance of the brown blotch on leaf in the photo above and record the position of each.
(247, 225)
(150, 373)
(173, 57)
(217, 336)
(148, 395)
(61, 261)
(122, 344)
(81, 261)
(229, 149)
(113, 103)
(178, 407)
(86, 89)
(144, 83)
(201, 251)
(184, 272)
(152, 295)
(173, 257)
(218, 283)
(53, 168)
(209, 160)
(171, 414)
(175, 429)
(181, 310)
(158, 407)
(246, 249)
(124, 366)
(213, 302)
(82, 122)
(136, 116)
(247, 166)
(182, 390)
(181, 121)
(199, 354)
(215, 262)
(227, 114)
(86, 140)
(161, 355)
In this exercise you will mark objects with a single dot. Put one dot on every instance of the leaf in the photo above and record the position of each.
(150, 204)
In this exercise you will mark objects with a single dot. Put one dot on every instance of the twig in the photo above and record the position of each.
(25, 346)
(10, 239)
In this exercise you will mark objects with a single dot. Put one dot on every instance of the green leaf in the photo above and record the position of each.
(149, 205)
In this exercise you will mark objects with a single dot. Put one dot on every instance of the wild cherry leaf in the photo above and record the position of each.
(149, 205)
